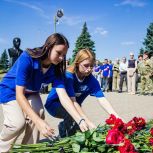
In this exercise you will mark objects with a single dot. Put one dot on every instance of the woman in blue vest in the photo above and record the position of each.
(19, 92)
(79, 84)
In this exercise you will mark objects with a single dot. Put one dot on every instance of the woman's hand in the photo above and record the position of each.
(44, 128)
(83, 125)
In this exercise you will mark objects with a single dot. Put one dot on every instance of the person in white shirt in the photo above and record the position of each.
(131, 74)
(123, 73)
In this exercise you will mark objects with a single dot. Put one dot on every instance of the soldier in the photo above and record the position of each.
(151, 58)
(138, 79)
(116, 75)
(146, 72)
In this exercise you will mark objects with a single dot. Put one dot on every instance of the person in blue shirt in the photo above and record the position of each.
(79, 83)
(105, 73)
(19, 92)
(97, 71)
(110, 79)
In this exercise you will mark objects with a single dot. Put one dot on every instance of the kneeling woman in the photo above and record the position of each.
(79, 84)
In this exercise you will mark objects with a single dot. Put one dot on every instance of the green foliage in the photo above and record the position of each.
(148, 41)
(4, 62)
(83, 41)
(141, 50)
(90, 141)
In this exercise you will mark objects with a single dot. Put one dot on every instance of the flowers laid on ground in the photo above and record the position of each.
(115, 136)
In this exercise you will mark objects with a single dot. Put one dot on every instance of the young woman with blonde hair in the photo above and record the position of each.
(79, 84)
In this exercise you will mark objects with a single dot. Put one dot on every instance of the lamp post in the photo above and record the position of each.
(58, 15)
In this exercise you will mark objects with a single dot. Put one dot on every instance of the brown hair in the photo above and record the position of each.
(44, 51)
(82, 55)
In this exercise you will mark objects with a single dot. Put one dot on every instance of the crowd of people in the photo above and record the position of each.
(136, 73)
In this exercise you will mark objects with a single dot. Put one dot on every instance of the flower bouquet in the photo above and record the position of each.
(115, 136)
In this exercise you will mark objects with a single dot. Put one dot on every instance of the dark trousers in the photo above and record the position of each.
(110, 80)
(68, 126)
(123, 77)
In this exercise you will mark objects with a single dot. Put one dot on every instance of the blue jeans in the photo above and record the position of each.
(104, 83)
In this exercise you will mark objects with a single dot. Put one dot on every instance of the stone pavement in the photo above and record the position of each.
(127, 106)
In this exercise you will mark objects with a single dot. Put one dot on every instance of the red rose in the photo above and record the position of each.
(111, 120)
(127, 147)
(151, 141)
(120, 125)
(139, 122)
(114, 137)
(151, 131)
(130, 127)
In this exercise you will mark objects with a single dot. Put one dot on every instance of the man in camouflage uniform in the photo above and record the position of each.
(151, 58)
(145, 69)
(139, 66)
(116, 75)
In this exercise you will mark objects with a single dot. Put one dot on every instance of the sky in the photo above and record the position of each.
(117, 27)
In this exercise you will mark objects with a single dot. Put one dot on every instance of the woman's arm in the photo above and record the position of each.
(70, 108)
(81, 112)
(42, 126)
(104, 103)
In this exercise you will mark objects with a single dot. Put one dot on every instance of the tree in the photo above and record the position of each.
(141, 50)
(83, 41)
(148, 41)
(4, 62)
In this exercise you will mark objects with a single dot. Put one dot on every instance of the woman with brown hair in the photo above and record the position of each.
(79, 84)
(19, 92)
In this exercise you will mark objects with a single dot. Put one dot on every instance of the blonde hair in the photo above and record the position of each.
(82, 55)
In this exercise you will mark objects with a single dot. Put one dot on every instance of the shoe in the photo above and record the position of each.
(132, 93)
(73, 128)
(119, 91)
(149, 94)
(62, 129)
(145, 94)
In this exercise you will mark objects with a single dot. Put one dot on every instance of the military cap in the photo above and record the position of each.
(146, 52)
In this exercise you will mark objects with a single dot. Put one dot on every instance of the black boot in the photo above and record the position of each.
(62, 129)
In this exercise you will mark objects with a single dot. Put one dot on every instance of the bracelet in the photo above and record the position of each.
(81, 121)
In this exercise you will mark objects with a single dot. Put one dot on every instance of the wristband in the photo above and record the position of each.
(81, 121)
